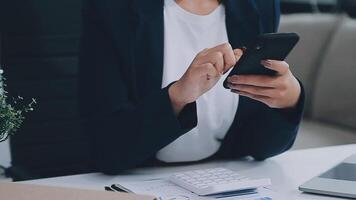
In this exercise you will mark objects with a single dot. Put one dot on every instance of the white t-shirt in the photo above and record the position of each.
(185, 35)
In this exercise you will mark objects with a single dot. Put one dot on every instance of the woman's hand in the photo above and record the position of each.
(281, 91)
(203, 73)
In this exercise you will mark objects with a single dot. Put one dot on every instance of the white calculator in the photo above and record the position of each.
(216, 181)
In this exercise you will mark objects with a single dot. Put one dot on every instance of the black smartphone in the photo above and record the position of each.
(273, 46)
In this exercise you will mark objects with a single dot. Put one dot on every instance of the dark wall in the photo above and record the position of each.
(349, 6)
(40, 41)
(307, 6)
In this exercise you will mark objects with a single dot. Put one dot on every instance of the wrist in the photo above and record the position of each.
(175, 96)
(297, 94)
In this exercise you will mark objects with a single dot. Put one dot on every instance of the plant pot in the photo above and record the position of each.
(4, 136)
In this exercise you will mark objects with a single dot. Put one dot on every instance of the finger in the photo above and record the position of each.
(207, 70)
(238, 54)
(204, 52)
(216, 58)
(255, 80)
(255, 90)
(228, 54)
(281, 67)
(259, 98)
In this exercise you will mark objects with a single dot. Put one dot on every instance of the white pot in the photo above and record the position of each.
(4, 136)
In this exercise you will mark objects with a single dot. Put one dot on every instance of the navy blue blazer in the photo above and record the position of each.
(129, 117)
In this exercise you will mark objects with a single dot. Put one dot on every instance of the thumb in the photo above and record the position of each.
(238, 54)
(281, 67)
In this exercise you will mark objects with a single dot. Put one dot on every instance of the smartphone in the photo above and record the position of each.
(273, 46)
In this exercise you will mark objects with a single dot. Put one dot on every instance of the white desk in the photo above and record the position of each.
(287, 171)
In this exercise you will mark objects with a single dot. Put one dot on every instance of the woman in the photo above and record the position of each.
(151, 83)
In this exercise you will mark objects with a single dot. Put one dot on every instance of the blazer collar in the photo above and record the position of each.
(242, 22)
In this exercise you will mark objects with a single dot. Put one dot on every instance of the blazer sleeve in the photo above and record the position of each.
(125, 132)
(258, 130)
(275, 130)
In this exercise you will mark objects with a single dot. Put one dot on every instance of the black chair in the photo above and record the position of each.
(39, 49)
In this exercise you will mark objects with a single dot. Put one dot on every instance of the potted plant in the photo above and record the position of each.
(11, 114)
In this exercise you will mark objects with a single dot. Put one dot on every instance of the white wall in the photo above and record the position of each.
(4, 154)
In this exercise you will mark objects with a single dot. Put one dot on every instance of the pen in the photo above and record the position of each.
(107, 188)
(118, 189)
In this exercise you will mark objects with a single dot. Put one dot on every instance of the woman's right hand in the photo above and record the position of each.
(203, 73)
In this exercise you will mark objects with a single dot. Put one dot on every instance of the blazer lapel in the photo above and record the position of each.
(147, 50)
(242, 22)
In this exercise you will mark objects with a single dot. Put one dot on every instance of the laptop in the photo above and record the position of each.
(339, 181)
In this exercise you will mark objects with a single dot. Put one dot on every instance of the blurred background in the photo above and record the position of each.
(39, 54)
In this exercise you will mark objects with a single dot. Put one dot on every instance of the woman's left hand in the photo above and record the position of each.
(280, 91)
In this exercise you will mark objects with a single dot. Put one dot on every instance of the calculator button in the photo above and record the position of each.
(214, 181)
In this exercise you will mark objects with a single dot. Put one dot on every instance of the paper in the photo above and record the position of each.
(165, 190)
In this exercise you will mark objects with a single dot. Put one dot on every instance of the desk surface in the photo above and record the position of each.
(287, 171)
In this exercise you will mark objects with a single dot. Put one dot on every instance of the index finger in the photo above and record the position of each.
(230, 57)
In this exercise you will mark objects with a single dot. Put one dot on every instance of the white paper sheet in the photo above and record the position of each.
(165, 190)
